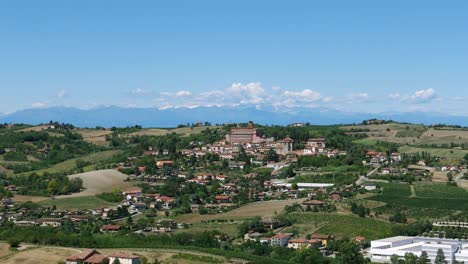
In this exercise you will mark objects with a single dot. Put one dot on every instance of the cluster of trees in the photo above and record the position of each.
(43, 184)
(54, 149)
(360, 210)
(411, 258)
(398, 217)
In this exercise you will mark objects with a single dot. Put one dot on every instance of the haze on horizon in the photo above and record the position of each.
(360, 56)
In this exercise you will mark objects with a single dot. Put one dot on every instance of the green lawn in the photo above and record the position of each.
(85, 202)
(339, 225)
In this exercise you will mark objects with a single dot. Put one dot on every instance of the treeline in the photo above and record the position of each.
(254, 252)
(43, 185)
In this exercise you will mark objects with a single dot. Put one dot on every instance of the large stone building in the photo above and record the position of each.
(284, 146)
(243, 135)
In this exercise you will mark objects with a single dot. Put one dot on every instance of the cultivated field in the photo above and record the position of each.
(96, 182)
(262, 209)
(340, 225)
(426, 197)
(94, 136)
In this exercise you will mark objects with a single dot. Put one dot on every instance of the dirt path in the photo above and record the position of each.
(413, 191)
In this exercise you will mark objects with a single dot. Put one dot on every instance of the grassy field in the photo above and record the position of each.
(85, 202)
(52, 255)
(340, 225)
(267, 208)
(71, 163)
(229, 228)
(438, 152)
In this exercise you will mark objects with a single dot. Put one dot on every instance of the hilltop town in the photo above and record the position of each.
(236, 192)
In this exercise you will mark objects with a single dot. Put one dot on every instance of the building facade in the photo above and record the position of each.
(454, 250)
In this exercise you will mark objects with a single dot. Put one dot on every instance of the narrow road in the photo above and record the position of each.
(364, 178)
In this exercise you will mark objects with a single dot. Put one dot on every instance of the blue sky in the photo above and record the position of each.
(368, 56)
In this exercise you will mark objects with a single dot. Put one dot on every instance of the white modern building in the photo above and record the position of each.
(383, 249)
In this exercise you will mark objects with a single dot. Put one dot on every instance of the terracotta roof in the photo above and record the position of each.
(95, 259)
(280, 236)
(83, 255)
(110, 227)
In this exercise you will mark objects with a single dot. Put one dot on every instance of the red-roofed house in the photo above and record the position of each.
(223, 199)
(110, 228)
(166, 202)
(95, 259)
(81, 257)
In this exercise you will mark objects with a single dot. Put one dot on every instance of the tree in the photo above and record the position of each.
(440, 257)
(411, 258)
(308, 256)
(116, 261)
(394, 259)
(52, 187)
(424, 258)
(350, 254)
(272, 155)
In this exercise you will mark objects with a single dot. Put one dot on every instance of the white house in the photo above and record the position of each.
(124, 258)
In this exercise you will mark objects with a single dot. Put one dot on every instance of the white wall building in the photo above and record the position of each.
(383, 249)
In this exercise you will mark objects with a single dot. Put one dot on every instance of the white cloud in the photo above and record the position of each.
(395, 96)
(359, 98)
(238, 94)
(306, 95)
(424, 95)
(140, 91)
(420, 96)
(62, 93)
(183, 93)
(39, 105)
(250, 93)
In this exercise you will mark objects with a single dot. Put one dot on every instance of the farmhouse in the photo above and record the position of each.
(88, 256)
(124, 258)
